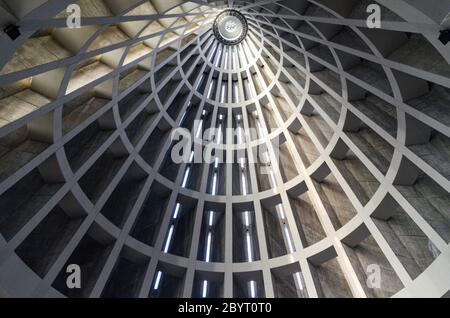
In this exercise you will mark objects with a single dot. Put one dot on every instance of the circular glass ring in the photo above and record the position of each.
(230, 27)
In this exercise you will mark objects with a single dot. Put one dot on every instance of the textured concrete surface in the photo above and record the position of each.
(363, 177)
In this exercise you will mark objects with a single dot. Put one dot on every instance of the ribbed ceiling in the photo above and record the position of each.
(329, 140)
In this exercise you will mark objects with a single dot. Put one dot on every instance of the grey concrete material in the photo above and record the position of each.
(286, 164)
(431, 201)
(4, 294)
(362, 182)
(340, 150)
(215, 289)
(15, 158)
(360, 12)
(22, 201)
(51, 235)
(349, 38)
(218, 239)
(284, 109)
(240, 284)
(343, 10)
(329, 105)
(375, 147)
(412, 246)
(425, 56)
(71, 206)
(194, 182)
(48, 9)
(385, 41)
(435, 153)
(331, 126)
(48, 83)
(91, 264)
(16, 279)
(372, 74)
(416, 132)
(75, 114)
(131, 78)
(385, 209)
(347, 61)
(22, 8)
(314, 89)
(6, 15)
(153, 145)
(368, 253)
(67, 256)
(101, 173)
(21, 104)
(434, 104)
(433, 10)
(295, 94)
(50, 171)
(320, 128)
(137, 127)
(125, 280)
(307, 109)
(339, 208)
(262, 178)
(407, 173)
(380, 112)
(171, 286)
(315, 66)
(322, 172)
(87, 73)
(354, 92)
(239, 254)
(159, 236)
(41, 129)
(307, 221)
(410, 86)
(331, 79)
(305, 147)
(284, 286)
(330, 281)
(274, 234)
(439, 289)
(323, 53)
(184, 233)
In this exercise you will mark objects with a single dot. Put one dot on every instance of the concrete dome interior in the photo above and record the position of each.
(353, 184)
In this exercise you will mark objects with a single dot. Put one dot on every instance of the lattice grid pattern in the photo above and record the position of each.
(355, 120)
